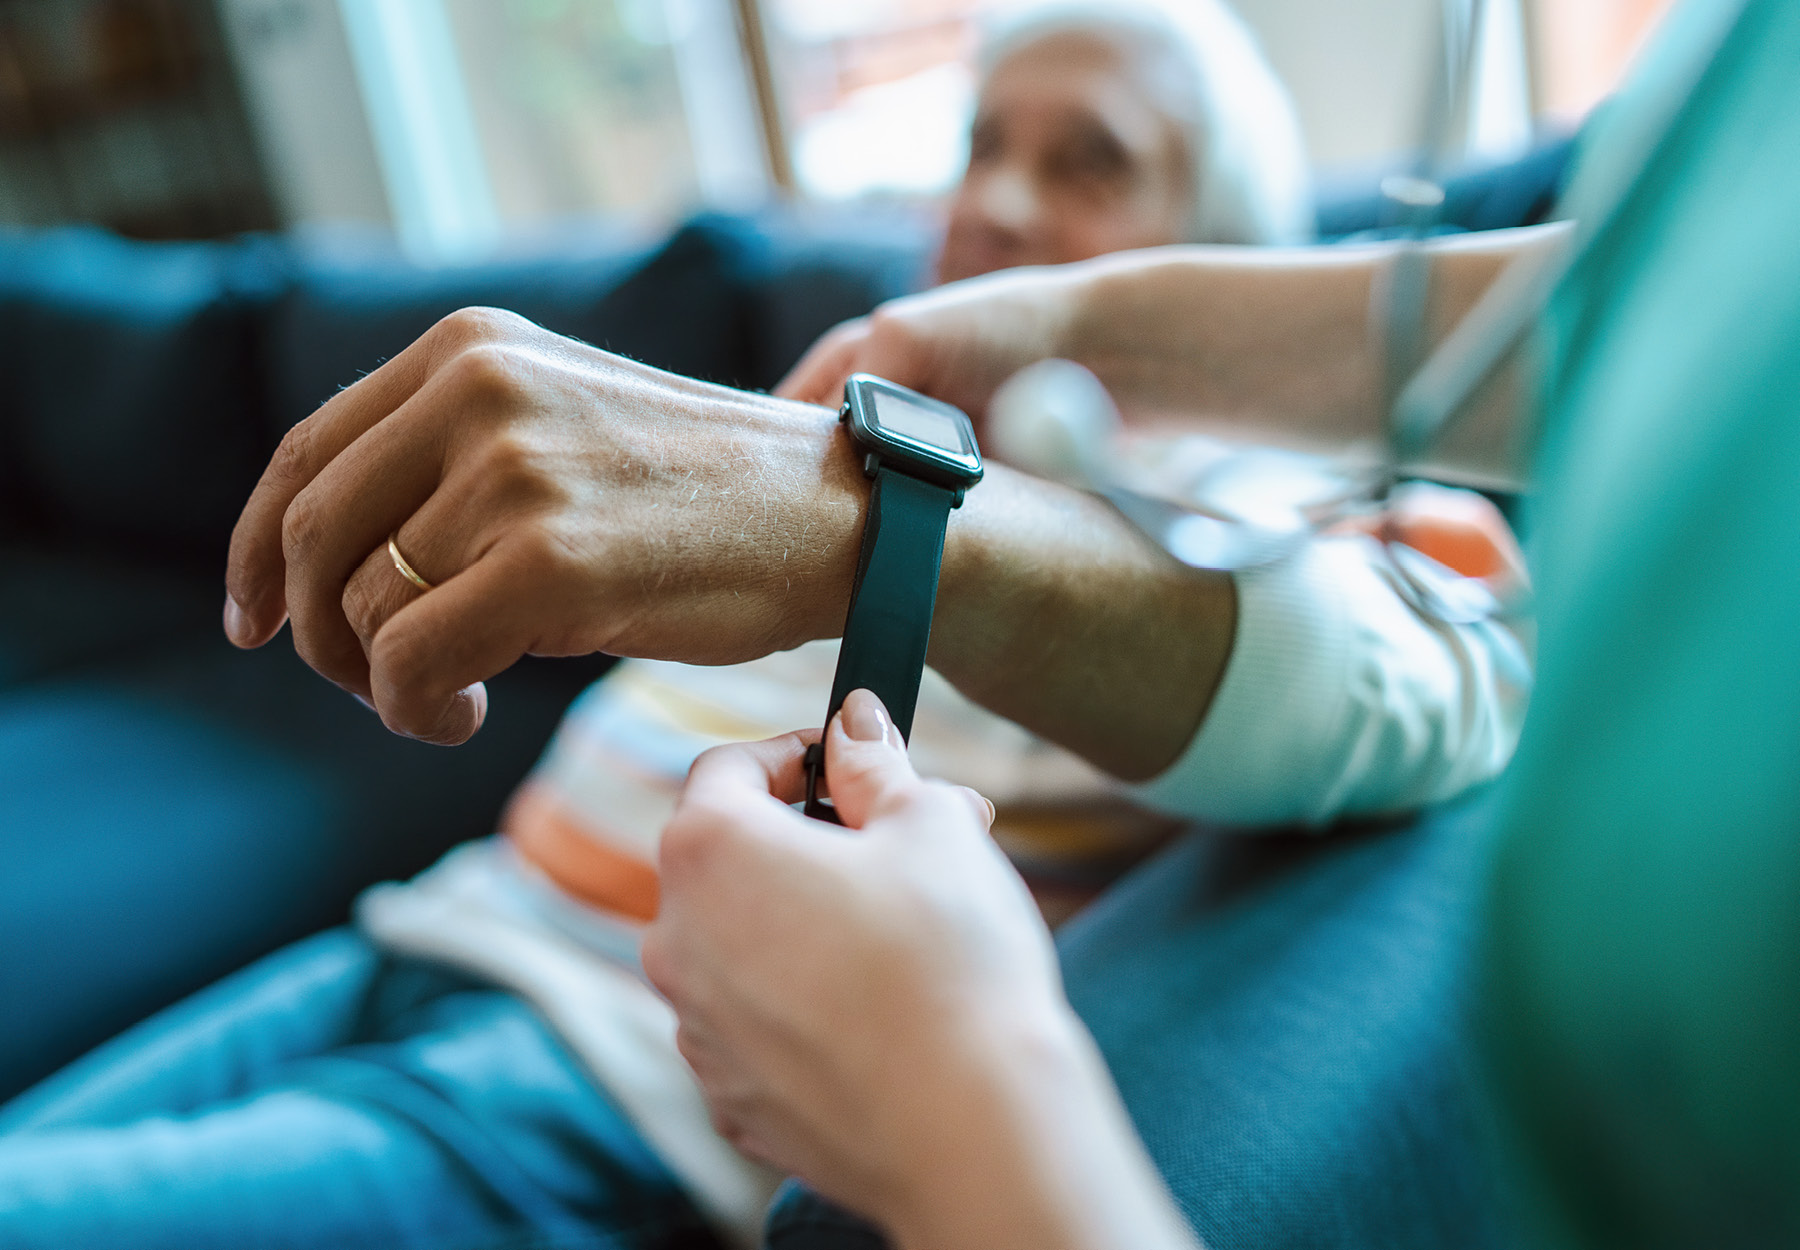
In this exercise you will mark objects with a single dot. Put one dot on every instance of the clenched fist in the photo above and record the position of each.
(558, 500)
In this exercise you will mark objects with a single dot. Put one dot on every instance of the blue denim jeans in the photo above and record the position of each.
(332, 1097)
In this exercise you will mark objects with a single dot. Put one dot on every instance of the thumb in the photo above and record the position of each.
(819, 377)
(865, 758)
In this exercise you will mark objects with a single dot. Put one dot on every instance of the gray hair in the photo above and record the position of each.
(1248, 161)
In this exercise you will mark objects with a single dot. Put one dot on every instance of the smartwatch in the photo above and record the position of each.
(921, 455)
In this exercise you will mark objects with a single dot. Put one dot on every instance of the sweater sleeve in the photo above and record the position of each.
(1339, 699)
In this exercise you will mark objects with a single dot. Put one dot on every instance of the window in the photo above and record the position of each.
(489, 118)
(632, 106)
(876, 96)
(462, 121)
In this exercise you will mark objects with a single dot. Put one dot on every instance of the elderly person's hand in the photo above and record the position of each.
(560, 500)
(879, 1010)
(958, 342)
(1266, 345)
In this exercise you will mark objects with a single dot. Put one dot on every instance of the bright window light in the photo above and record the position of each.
(877, 96)
(907, 137)
(1500, 127)
(425, 138)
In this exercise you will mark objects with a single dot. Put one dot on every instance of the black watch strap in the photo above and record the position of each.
(889, 623)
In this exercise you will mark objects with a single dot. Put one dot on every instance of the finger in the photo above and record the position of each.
(737, 1101)
(982, 805)
(737, 1133)
(429, 658)
(819, 377)
(865, 759)
(374, 593)
(370, 491)
(733, 810)
(666, 956)
(696, 1048)
(743, 770)
(255, 569)
(435, 542)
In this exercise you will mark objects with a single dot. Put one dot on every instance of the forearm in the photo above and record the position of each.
(1283, 344)
(1031, 1147)
(1054, 612)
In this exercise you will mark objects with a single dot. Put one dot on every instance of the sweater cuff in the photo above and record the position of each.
(1258, 754)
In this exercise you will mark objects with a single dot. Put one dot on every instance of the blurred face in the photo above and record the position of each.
(1071, 156)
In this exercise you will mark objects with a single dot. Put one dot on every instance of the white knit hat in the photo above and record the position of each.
(1251, 181)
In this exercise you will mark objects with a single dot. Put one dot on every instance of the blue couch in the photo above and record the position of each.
(171, 808)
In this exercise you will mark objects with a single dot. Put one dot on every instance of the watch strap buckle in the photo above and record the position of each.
(816, 807)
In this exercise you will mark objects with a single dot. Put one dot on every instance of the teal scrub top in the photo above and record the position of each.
(1643, 953)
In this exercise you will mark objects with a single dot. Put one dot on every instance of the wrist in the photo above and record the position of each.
(1030, 1146)
(768, 504)
(810, 574)
(976, 1099)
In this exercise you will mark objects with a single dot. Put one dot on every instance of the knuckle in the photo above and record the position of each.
(714, 755)
(546, 557)
(660, 965)
(719, 1106)
(886, 325)
(846, 334)
(486, 372)
(293, 455)
(735, 1133)
(890, 326)
(510, 461)
(358, 610)
(302, 528)
(699, 1057)
(363, 607)
(476, 324)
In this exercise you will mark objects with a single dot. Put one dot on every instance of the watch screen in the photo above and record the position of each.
(919, 423)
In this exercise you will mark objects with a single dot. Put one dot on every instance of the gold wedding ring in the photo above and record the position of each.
(406, 570)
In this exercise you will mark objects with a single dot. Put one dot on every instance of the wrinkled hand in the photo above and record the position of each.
(957, 343)
(839, 993)
(561, 501)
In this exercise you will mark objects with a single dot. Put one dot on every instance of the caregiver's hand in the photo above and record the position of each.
(958, 342)
(560, 500)
(879, 1011)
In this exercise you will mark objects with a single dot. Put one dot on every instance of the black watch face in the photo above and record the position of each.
(920, 435)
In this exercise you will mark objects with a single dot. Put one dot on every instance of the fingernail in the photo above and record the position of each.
(863, 717)
(364, 702)
(993, 814)
(462, 718)
(237, 625)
